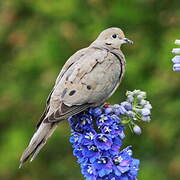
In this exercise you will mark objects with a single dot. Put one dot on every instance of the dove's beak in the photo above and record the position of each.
(127, 41)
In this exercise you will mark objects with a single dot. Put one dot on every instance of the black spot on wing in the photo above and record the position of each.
(88, 87)
(72, 92)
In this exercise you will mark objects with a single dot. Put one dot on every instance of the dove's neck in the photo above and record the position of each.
(119, 53)
(120, 56)
(101, 45)
(96, 44)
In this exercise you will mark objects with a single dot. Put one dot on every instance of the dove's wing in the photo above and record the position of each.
(75, 57)
(88, 81)
(66, 66)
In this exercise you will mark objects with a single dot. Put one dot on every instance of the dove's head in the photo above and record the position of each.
(111, 38)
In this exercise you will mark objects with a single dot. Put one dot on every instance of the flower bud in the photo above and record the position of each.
(176, 60)
(148, 106)
(146, 118)
(176, 51)
(176, 67)
(142, 102)
(130, 98)
(145, 112)
(177, 42)
(137, 129)
(108, 110)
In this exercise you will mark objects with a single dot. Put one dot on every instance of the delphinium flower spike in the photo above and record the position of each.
(97, 136)
(176, 59)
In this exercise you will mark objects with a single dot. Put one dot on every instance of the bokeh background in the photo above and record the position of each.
(37, 37)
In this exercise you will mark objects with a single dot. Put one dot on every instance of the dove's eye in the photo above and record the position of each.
(114, 36)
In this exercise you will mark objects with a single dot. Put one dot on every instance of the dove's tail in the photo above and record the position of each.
(38, 140)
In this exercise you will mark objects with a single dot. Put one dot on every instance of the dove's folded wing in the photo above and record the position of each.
(88, 81)
(66, 66)
(75, 57)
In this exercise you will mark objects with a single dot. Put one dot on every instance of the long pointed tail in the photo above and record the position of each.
(38, 140)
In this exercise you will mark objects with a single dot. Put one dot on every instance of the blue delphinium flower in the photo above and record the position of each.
(97, 136)
(176, 59)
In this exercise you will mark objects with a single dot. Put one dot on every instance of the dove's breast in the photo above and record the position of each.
(91, 79)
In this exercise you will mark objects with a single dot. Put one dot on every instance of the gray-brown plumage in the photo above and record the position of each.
(87, 79)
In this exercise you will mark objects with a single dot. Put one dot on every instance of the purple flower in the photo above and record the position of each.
(108, 110)
(103, 142)
(146, 118)
(113, 130)
(74, 138)
(130, 114)
(127, 105)
(125, 164)
(176, 60)
(119, 109)
(80, 123)
(95, 111)
(148, 105)
(145, 112)
(134, 167)
(117, 142)
(91, 152)
(97, 136)
(103, 165)
(88, 171)
(78, 152)
(130, 98)
(121, 165)
(104, 120)
(143, 102)
(176, 67)
(115, 119)
(87, 138)
(106, 129)
(176, 51)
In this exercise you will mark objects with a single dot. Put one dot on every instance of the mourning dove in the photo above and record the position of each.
(88, 78)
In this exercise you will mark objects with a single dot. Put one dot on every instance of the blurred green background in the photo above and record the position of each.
(37, 37)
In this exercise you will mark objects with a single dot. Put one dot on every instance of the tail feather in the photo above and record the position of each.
(38, 140)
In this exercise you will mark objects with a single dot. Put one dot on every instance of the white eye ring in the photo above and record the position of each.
(114, 36)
